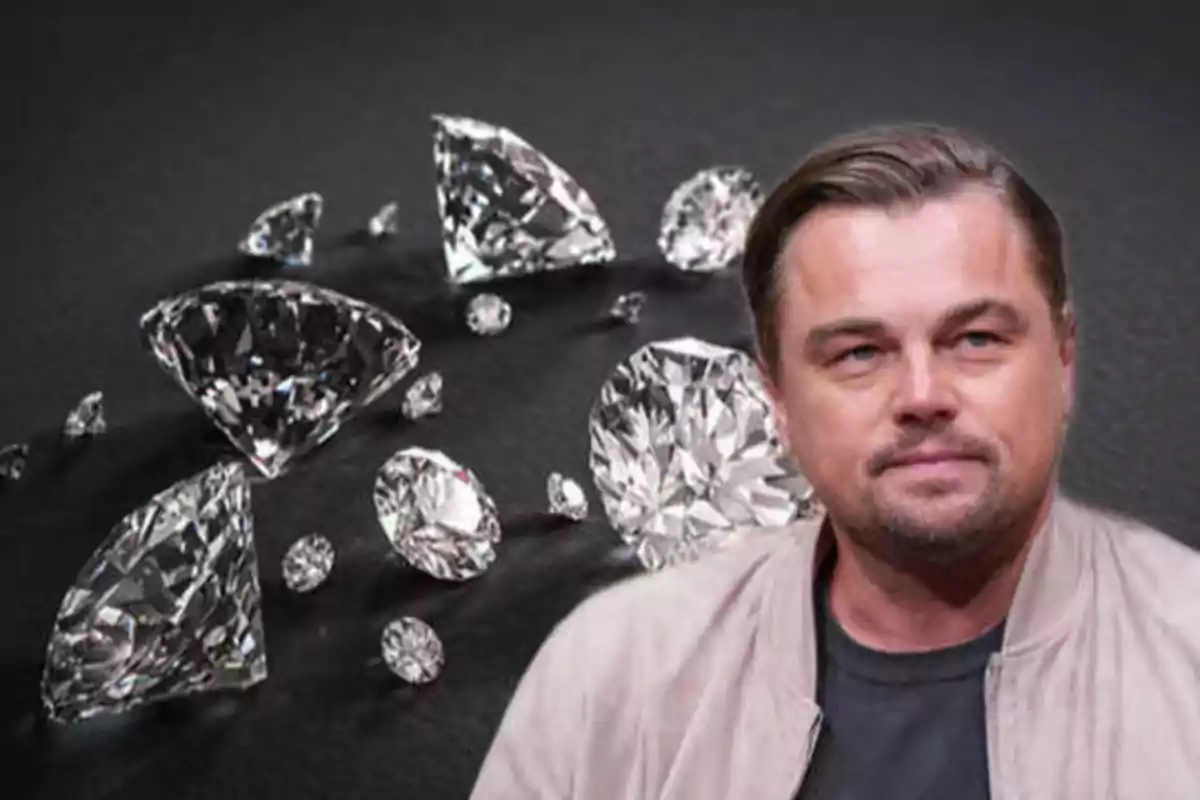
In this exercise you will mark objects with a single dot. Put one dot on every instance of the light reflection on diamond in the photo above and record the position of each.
(168, 605)
(279, 366)
(506, 208)
(436, 514)
(684, 451)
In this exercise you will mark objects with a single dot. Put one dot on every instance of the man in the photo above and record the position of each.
(954, 627)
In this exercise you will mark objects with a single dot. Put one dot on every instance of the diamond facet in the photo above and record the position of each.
(628, 308)
(707, 217)
(285, 231)
(566, 497)
(424, 397)
(436, 514)
(506, 208)
(307, 563)
(168, 605)
(386, 221)
(412, 650)
(684, 451)
(488, 314)
(87, 418)
(279, 366)
(13, 459)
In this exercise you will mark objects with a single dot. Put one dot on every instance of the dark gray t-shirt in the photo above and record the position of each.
(898, 726)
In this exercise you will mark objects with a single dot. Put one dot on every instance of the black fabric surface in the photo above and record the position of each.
(142, 139)
(906, 726)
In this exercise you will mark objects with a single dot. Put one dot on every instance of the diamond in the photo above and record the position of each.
(684, 451)
(628, 308)
(386, 221)
(285, 231)
(412, 650)
(307, 563)
(506, 208)
(706, 219)
(488, 314)
(13, 459)
(279, 366)
(436, 514)
(424, 397)
(566, 497)
(168, 605)
(87, 418)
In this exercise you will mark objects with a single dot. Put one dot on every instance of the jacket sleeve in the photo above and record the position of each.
(539, 746)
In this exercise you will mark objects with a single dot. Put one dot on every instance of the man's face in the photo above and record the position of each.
(922, 385)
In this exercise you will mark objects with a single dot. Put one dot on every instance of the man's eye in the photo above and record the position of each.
(864, 352)
(974, 340)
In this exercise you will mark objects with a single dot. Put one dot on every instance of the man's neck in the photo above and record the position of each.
(895, 610)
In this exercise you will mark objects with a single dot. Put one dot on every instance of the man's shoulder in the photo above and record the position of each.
(673, 609)
(1151, 565)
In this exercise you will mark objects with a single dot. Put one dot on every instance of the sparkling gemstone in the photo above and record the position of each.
(168, 605)
(13, 459)
(412, 650)
(566, 497)
(684, 451)
(87, 418)
(279, 366)
(706, 219)
(307, 563)
(436, 514)
(285, 231)
(386, 221)
(506, 208)
(488, 314)
(424, 397)
(628, 307)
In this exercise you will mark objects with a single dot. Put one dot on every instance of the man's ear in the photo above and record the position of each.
(774, 397)
(1068, 355)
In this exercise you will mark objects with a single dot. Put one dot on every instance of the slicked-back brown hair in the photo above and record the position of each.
(885, 166)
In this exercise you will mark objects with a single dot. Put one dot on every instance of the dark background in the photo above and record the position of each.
(142, 140)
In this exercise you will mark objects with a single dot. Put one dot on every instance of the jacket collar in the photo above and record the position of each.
(1050, 594)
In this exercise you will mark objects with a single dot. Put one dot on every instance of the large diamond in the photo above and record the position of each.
(436, 514)
(285, 231)
(684, 451)
(707, 217)
(168, 605)
(278, 365)
(506, 208)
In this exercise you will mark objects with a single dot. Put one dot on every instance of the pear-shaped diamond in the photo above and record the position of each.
(386, 221)
(285, 231)
(436, 514)
(707, 217)
(87, 418)
(168, 605)
(278, 365)
(506, 208)
(424, 397)
(684, 451)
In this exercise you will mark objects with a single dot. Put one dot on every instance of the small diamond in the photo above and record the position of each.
(285, 231)
(307, 563)
(684, 451)
(87, 418)
(628, 308)
(13, 459)
(386, 221)
(566, 497)
(412, 650)
(436, 514)
(168, 605)
(506, 208)
(424, 397)
(279, 366)
(488, 314)
(706, 219)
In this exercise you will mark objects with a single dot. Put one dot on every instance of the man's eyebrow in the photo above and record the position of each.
(868, 327)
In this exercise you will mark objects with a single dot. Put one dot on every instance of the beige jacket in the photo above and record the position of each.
(699, 682)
